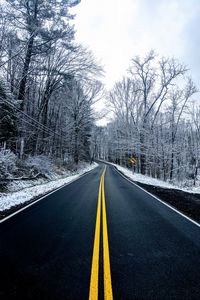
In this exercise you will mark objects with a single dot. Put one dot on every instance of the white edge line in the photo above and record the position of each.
(166, 204)
(49, 193)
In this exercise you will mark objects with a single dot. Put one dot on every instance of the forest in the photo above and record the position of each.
(49, 86)
(156, 120)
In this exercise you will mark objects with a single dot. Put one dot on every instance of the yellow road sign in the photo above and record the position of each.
(133, 160)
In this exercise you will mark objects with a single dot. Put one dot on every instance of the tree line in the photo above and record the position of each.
(155, 119)
(48, 83)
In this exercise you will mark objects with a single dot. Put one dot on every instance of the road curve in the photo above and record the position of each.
(46, 251)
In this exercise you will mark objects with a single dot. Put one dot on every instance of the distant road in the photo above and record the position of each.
(100, 237)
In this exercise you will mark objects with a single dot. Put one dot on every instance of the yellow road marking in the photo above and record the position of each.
(95, 258)
(94, 279)
(108, 295)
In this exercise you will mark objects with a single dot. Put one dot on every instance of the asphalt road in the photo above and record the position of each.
(89, 233)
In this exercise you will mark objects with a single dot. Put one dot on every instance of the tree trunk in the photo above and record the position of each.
(21, 147)
(76, 150)
(22, 86)
(195, 173)
(142, 154)
(172, 165)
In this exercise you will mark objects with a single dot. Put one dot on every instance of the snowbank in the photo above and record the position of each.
(15, 198)
(153, 181)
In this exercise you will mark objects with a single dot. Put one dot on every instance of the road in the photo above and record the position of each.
(100, 237)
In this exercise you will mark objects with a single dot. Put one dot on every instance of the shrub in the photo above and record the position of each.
(40, 164)
(7, 163)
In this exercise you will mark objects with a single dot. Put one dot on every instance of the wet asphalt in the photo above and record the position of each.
(46, 250)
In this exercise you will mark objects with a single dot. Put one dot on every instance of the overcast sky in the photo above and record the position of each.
(118, 30)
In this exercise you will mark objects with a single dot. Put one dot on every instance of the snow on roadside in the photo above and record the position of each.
(15, 198)
(153, 181)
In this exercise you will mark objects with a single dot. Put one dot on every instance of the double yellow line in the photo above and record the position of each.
(94, 279)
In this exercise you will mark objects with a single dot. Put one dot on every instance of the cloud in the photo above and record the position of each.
(118, 30)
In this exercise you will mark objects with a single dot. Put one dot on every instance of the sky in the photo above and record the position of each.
(118, 30)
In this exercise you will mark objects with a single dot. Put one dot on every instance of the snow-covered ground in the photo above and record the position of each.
(8, 200)
(153, 181)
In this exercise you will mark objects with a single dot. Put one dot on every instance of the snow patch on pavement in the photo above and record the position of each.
(15, 198)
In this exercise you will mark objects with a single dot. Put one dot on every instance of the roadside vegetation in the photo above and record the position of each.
(155, 120)
(48, 88)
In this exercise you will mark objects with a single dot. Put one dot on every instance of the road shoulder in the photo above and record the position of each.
(186, 203)
(30, 196)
